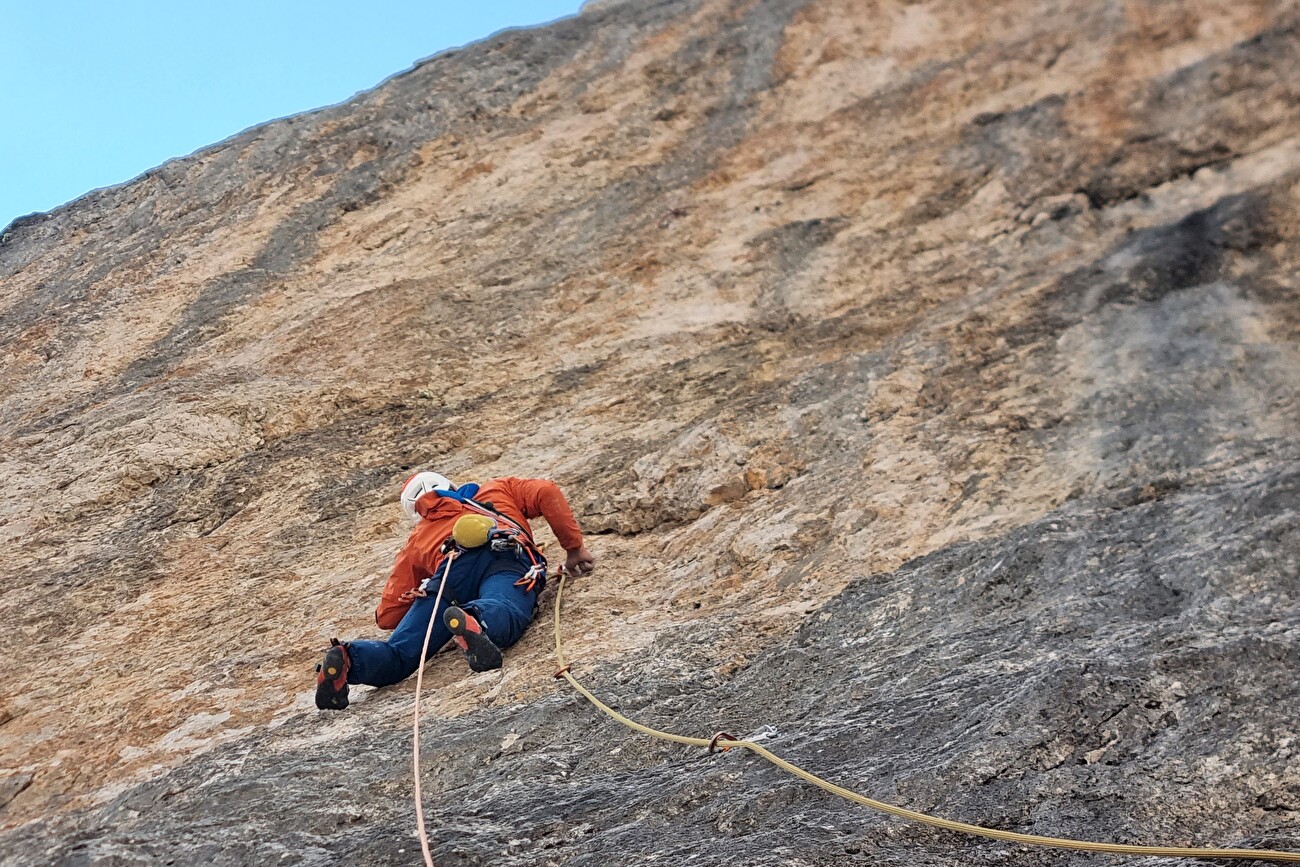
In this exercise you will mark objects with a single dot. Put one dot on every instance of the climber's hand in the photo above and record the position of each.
(580, 561)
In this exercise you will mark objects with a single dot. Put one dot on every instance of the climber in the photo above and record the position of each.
(479, 536)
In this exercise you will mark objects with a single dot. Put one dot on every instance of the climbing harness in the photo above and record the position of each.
(723, 741)
(512, 538)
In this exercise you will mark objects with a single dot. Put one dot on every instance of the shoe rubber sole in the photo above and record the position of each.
(480, 652)
(332, 668)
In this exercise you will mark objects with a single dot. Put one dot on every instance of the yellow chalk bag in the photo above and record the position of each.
(472, 531)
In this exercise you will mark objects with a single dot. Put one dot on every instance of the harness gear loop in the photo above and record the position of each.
(903, 812)
(513, 533)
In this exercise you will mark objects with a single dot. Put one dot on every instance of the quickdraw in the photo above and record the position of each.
(534, 576)
(517, 538)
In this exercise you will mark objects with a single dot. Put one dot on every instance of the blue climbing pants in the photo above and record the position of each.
(481, 582)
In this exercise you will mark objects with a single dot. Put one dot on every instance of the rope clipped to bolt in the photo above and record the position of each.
(725, 742)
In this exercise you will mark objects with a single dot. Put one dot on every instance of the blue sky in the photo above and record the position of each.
(94, 93)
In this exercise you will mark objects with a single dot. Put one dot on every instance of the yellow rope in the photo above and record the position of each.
(900, 812)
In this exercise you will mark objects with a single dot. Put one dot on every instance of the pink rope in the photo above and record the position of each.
(415, 728)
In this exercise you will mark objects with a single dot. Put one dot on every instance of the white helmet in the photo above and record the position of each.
(417, 486)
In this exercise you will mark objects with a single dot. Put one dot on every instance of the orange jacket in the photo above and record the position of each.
(517, 499)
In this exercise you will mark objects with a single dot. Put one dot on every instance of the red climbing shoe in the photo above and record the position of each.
(480, 652)
(332, 678)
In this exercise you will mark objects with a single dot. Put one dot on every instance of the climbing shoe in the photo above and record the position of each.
(332, 678)
(467, 632)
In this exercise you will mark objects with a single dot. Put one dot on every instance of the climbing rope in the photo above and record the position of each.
(415, 726)
(723, 741)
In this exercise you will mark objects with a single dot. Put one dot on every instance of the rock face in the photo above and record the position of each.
(926, 376)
